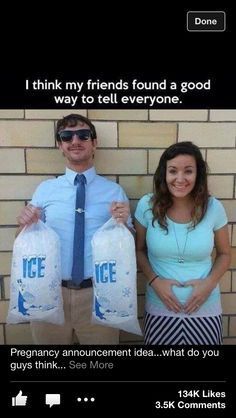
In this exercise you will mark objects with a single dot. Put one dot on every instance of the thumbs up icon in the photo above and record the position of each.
(19, 399)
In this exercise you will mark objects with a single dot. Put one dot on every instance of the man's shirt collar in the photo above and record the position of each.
(89, 174)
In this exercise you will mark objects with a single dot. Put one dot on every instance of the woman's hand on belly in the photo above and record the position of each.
(201, 289)
(163, 288)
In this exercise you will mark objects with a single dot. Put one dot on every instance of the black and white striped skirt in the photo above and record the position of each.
(167, 330)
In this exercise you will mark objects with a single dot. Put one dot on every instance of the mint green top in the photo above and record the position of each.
(194, 245)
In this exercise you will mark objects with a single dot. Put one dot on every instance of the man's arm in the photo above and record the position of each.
(30, 214)
(121, 212)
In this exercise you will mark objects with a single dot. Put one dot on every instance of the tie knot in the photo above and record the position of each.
(80, 179)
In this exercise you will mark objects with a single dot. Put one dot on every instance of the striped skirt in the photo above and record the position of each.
(167, 330)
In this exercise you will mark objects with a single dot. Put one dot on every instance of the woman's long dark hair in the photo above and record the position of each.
(162, 199)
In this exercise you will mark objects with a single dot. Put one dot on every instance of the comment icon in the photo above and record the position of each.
(52, 399)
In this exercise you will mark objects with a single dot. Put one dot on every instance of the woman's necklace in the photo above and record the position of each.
(180, 255)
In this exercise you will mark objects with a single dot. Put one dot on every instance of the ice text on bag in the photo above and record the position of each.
(105, 271)
(34, 267)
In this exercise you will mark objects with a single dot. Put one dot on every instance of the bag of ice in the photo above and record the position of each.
(114, 278)
(35, 293)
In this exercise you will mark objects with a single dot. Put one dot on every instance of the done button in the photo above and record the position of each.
(206, 21)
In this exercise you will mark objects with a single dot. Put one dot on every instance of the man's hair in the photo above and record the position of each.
(73, 120)
(162, 199)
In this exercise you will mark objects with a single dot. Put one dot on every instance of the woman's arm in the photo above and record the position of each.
(163, 287)
(223, 255)
(203, 288)
(141, 251)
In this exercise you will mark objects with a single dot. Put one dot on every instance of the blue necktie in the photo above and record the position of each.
(77, 274)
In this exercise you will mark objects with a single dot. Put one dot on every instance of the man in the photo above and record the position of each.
(54, 201)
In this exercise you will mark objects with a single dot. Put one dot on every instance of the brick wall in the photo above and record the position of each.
(130, 144)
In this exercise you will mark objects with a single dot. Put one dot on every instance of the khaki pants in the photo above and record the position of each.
(77, 327)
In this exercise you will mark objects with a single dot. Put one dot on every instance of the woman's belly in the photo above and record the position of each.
(182, 293)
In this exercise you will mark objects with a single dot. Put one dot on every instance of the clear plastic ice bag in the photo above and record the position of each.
(114, 278)
(35, 293)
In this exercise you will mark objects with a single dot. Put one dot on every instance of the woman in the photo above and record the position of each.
(177, 227)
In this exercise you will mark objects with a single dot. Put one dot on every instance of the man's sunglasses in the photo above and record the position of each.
(83, 134)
